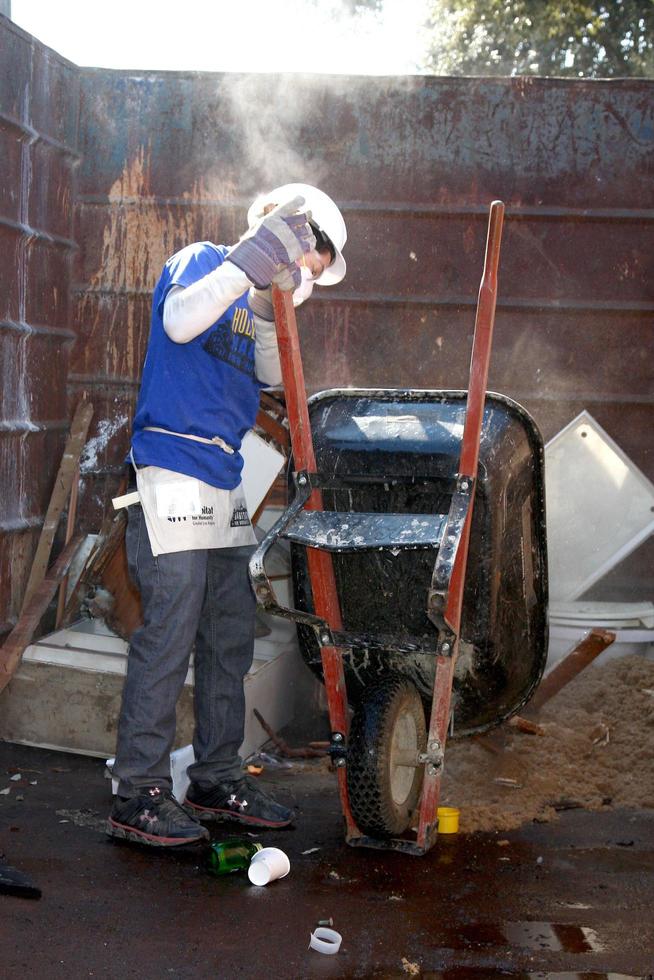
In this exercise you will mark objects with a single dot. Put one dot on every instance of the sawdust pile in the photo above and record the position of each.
(596, 753)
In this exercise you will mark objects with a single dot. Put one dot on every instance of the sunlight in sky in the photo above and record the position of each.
(214, 35)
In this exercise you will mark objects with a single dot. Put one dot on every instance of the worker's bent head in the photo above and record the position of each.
(325, 264)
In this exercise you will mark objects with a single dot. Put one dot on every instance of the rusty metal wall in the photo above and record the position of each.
(170, 158)
(38, 157)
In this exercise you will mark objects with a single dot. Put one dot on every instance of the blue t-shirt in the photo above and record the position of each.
(206, 387)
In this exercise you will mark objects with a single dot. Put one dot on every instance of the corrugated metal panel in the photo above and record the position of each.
(38, 141)
(169, 158)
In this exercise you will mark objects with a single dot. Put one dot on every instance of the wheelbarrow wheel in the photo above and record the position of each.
(387, 734)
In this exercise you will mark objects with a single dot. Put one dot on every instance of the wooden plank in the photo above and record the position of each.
(84, 581)
(583, 654)
(62, 488)
(525, 726)
(125, 613)
(274, 429)
(70, 527)
(22, 633)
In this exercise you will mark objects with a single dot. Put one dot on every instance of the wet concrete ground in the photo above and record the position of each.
(572, 899)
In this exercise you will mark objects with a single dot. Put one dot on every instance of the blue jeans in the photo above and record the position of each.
(201, 598)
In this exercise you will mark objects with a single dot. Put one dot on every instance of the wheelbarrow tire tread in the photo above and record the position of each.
(368, 770)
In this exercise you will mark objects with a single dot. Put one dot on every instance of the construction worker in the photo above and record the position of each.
(212, 348)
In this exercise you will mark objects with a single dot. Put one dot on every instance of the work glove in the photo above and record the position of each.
(271, 248)
(260, 300)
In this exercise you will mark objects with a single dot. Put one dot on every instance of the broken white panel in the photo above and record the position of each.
(600, 507)
(261, 464)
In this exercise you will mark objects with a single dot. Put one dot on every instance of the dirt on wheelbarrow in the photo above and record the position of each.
(595, 754)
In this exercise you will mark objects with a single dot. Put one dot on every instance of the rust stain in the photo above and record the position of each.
(138, 238)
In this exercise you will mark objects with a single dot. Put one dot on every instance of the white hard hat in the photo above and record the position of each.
(324, 214)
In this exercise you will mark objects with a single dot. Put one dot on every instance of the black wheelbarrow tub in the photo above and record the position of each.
(399, 452)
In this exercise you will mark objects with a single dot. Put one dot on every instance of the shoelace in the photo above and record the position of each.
(165, 796)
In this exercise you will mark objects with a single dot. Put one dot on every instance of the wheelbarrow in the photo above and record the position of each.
(417, 530)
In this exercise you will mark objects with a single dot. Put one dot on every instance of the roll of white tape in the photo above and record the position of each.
(325, 941)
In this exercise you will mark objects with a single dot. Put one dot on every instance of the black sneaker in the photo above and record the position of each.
(240, 800)
(154, 818)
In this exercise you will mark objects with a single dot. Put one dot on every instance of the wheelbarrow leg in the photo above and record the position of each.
(321, 571)
(438, 725)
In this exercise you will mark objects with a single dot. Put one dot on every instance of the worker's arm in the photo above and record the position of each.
(189, 311)
(267, 365)
(266, 253)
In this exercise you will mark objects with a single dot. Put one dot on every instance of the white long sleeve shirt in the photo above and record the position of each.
(190, 310)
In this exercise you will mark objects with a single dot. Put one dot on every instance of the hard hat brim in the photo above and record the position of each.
(334, 273)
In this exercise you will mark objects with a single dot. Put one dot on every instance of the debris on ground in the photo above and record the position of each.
(413, 969)
(84, 818)
(574, 765)
(266, 760)
(325, 941)
(285, 750)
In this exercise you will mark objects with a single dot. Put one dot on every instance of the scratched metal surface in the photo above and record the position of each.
(38, 141)
(345, 531)
(167, 158)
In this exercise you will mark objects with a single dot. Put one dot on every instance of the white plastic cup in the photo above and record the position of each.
(267, 865)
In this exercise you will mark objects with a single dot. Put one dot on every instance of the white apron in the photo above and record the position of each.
(185, 514)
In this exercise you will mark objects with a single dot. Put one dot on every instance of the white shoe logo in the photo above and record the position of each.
(233, 802)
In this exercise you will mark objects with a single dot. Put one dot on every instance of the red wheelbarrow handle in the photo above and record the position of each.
(479, 364)
(321, 571)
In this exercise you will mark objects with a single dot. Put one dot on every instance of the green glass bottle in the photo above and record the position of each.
(226, 856)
